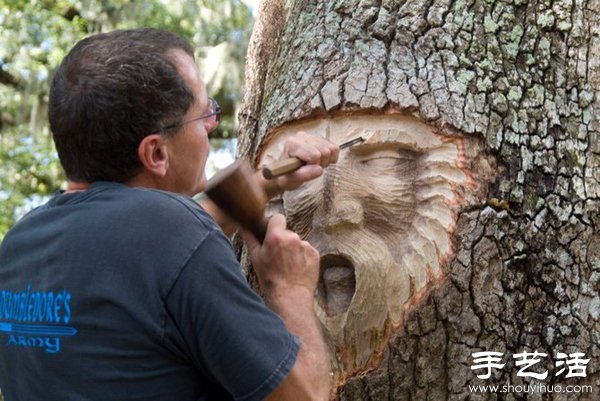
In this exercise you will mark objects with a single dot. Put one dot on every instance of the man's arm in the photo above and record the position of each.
(310, 378)
(288, 271)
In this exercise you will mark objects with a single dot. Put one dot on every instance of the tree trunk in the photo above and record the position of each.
(493, 240)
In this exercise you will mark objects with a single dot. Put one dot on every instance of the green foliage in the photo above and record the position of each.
(35, 36)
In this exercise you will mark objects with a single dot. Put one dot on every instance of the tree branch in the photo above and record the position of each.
(8, 79)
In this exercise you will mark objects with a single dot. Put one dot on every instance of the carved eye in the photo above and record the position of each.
(383, 162)
(388, 159)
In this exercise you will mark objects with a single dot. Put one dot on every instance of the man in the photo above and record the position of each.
(121, 288)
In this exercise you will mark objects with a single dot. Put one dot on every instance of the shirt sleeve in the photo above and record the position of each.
(226, 330)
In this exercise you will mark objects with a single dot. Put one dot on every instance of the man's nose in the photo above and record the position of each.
(210, 125)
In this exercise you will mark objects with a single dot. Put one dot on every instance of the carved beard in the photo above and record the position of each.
(359, 278)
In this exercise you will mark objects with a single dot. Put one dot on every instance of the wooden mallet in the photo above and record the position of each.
(235, 191)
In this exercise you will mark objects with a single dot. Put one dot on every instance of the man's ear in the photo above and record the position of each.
(153, 155)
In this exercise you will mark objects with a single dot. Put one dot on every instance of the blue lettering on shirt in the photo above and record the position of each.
(34, 319)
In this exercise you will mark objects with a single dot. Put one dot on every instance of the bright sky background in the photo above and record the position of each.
(224, 157)
(253, 4)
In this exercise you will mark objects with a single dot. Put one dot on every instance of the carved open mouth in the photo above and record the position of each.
(337, 284)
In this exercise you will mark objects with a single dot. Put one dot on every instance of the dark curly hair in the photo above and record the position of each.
(111, 91)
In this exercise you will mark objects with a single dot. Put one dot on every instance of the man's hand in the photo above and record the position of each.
(315, 151)
(283, 262)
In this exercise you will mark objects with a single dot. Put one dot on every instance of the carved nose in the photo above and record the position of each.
(344, 212)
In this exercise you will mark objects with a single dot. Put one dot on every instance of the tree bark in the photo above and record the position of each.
(518, 82)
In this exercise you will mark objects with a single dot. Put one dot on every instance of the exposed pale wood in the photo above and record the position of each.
(382, 219)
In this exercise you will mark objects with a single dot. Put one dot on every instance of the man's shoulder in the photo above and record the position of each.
(122, 213)
(157, 205)
(181, 206)
(155, 198)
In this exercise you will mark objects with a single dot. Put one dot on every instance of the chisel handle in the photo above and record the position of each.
(292, 164)
(282, 167)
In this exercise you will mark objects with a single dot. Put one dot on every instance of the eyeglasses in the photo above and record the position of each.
(214, 112)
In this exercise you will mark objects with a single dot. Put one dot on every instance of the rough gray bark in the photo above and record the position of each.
(524, 78)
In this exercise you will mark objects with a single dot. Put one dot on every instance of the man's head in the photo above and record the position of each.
(112, 92)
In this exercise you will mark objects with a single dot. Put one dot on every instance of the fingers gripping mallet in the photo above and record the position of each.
(235, 191)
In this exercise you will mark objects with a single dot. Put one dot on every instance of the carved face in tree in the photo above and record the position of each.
(381, 219)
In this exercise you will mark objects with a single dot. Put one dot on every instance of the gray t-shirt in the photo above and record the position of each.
(121, 293)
